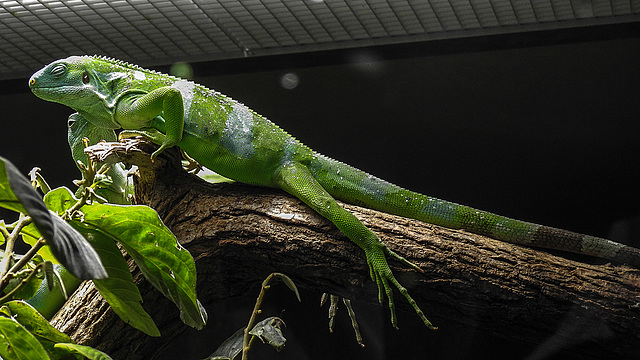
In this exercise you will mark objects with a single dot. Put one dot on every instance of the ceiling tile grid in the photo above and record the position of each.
(34, 32)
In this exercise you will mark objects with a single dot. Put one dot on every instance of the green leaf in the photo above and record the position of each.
(8, 199)
(168, 266)
(119, 289)
(31, 319)
(2, 225)
(30, 235)
(60, 200)
(38, 326)
(69, 246)
(163, 261)
(17, 343)
(74, 252)
(16, 193)
(86, 351)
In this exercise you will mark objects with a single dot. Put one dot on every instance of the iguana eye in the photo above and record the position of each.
(85, 77)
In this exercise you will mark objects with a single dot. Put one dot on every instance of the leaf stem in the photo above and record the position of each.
(248, 338)
(4, 232)
(246, 341)
(33, 272)
(6, 276)
(29, 255)
(11, 240)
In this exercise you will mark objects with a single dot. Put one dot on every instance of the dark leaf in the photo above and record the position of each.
(230, 348)
(22, 197)
(290, 284)
(74, 252)
(269, 331)
(68, 246)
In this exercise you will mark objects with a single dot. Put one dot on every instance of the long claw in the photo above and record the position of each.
(384, 276)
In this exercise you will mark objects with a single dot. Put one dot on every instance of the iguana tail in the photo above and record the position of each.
(354, 186)
(49, 301)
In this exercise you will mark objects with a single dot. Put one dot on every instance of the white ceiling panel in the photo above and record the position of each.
(34, 32)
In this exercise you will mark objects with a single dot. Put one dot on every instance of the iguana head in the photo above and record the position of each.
(85, 84)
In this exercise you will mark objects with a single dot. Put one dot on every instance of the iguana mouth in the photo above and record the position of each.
(35, 85)
(43, 91)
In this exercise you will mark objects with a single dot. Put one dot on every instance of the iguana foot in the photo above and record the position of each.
(381, 274)
(189, 164)
(153, 135)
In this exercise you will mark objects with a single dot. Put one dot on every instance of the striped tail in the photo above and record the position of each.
(354, 186)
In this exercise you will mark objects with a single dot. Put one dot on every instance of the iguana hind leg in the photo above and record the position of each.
(296, 180)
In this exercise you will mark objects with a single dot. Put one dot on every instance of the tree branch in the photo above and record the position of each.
(240, 234)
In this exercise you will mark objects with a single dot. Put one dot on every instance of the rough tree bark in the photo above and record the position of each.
(239, 234)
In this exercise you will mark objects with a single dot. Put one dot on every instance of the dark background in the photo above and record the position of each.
(541, 126)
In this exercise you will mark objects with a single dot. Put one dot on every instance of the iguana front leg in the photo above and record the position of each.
(137, 111)
(298, 181)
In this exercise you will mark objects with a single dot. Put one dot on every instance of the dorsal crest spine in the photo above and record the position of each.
(134, 67)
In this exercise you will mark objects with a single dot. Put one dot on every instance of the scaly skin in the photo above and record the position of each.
(235, 142)
(49, 301)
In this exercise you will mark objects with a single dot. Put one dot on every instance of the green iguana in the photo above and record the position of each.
(232, 140)
(113, 188)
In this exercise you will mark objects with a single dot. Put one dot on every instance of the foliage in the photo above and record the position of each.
(77, 238)
(81, 235)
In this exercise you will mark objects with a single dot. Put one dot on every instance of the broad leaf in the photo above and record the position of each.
(290, 284)
(86, 351)
(119, 289)
(167, 265)
(17, 343)
(74, 253)
(269, 331)
(31, 319)
(38, 326)
(30, 235)
(3, 225)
